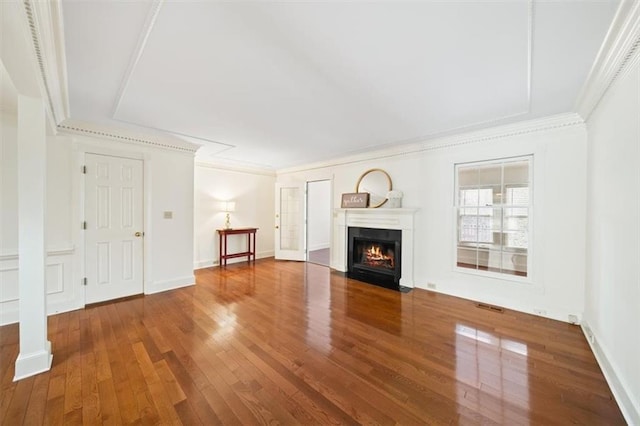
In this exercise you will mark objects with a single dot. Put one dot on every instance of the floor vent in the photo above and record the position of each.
(490, 307)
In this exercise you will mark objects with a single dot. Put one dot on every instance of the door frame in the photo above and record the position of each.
(82, 146)
(306, 218)
(300, 254)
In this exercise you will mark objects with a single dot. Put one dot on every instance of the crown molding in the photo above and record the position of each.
(543, 124)
(45, 22)
(237, 169)
(554, 122)
(127, 136)
(619, 51)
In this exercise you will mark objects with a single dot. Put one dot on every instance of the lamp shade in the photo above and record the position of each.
(228, 206)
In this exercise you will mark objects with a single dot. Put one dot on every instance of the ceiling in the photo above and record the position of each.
(279, 84)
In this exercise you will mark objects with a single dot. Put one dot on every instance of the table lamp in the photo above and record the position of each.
(228, 207)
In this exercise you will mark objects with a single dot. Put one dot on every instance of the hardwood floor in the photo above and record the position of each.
(294, 343)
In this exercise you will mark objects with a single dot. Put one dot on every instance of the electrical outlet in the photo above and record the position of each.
(540, 312)
(168, 215)
(431, 286)
(573, 319)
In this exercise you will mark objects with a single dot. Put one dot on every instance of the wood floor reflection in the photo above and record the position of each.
(294, 343)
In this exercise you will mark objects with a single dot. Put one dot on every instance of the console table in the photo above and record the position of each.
(251, 248)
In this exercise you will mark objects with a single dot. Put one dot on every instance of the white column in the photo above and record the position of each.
(35, 350)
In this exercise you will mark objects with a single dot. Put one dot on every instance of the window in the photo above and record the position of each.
(493, 205)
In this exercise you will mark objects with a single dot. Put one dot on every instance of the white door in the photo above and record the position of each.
(290, 231)
(114, 228)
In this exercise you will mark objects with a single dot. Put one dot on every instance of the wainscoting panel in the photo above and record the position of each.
(8, 291)
(62, 295)
(55, 278)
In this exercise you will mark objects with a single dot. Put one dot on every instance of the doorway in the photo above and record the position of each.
(319, 222)
(290, 226)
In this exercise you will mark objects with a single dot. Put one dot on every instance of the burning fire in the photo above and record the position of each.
(374, 256)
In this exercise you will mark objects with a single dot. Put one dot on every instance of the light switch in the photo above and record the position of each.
(168, 215)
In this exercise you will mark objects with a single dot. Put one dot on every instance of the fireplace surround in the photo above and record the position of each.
(400, 219)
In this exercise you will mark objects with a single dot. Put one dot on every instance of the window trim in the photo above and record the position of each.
(528, 279)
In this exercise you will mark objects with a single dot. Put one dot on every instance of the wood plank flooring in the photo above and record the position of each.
(294, 343)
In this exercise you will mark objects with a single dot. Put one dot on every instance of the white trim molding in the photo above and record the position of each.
(630, 410)
(63, 290)
(203, 264)
(490, 134)
(233, 168)
(59, 251)
(47, 35)
(620, 49)
(152, 15)
(127, 136)
(33, 363)
(160, 286)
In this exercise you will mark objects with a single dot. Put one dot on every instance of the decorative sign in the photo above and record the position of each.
(356, 199)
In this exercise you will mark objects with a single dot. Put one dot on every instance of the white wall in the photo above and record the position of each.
(60, 163)
(168, 243)
(556, 287)
(613, 243)
(8, 184)
(318, 214)
(254, 195)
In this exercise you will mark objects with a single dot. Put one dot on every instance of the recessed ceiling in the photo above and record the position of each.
(278, 84)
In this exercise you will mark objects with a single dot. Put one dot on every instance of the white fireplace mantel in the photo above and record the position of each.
(401, 218)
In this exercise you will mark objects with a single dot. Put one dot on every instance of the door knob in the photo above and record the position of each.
(138, 234)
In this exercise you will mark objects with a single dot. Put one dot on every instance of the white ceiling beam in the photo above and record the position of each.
(150, 21)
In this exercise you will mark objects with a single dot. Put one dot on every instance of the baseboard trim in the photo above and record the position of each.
(203, 264)
(34, 363)
(62, 307)
(10, 314)
(160, 286)
(630, 411)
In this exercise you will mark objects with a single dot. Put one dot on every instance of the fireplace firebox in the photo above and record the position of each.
(374, 256)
